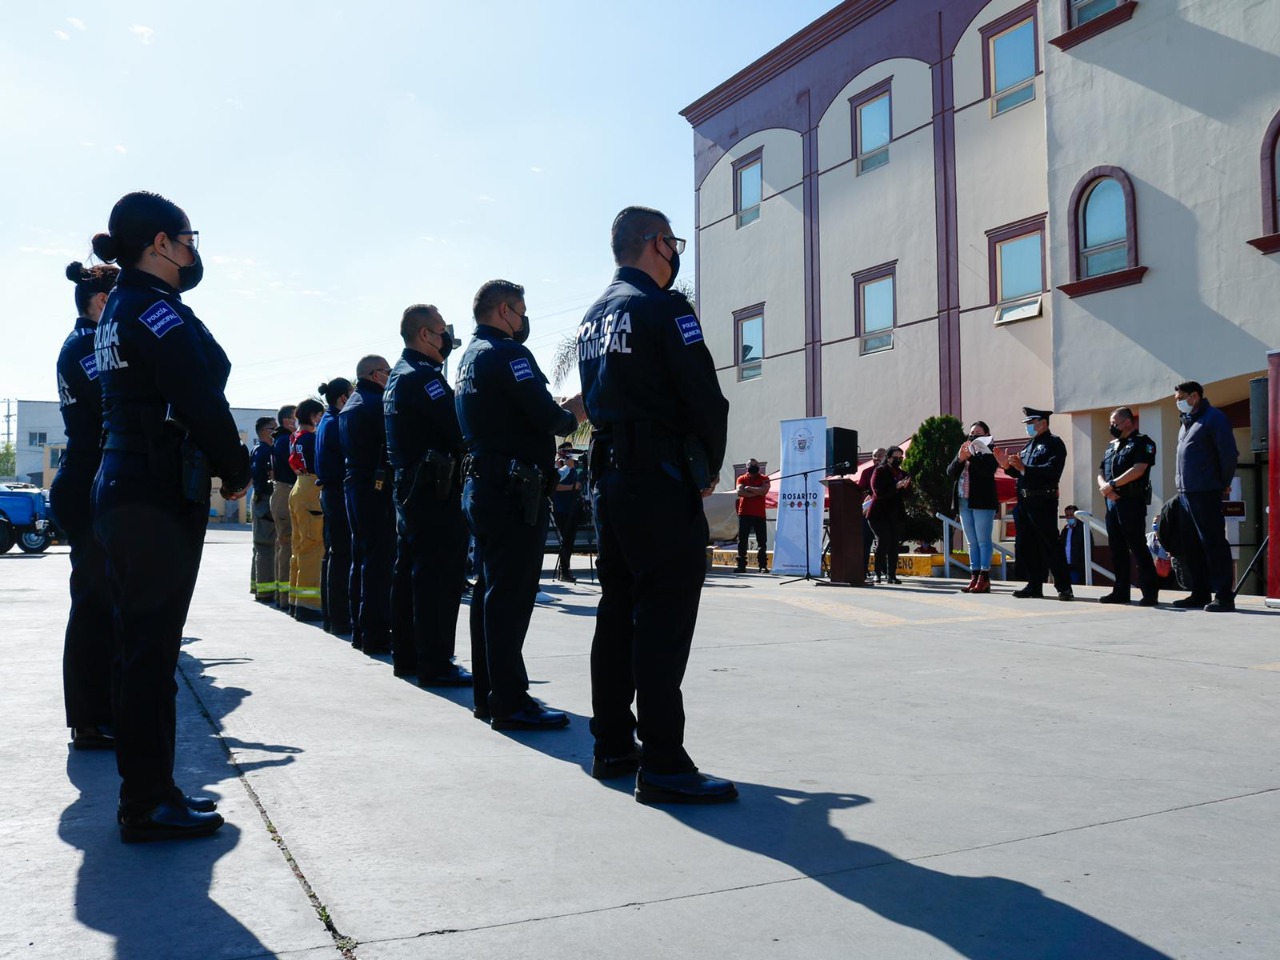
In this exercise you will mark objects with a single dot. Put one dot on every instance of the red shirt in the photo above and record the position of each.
(752, 506)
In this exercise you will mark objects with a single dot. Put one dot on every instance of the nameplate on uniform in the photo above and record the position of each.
(690, 329)
(435, 389)
(90, 366)
(160, 318)
(522, 369)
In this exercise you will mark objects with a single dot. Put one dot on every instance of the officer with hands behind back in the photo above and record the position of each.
(166, 429)
(425, 447)
(509, 423)
(1124, 479)
(264, 527)
(650, 388)
(1038, 468)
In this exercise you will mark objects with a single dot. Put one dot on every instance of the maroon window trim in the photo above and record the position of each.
(862, 277)
(1269, 242)
(747, 313)
(1100, 24)
(1132, 273)
(756, 155)
(1011, 19)
(885, 86)
(1012, 231)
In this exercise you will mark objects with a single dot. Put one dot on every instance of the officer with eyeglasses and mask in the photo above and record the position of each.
(509, 423)
(425, 447)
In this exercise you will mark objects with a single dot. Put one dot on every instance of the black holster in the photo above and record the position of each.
(196, 476)
(526, 484)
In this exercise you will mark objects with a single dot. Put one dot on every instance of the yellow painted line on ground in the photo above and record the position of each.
(1267, 666)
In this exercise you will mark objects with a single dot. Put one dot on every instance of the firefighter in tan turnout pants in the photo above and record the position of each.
(306, 515)
(281, 484)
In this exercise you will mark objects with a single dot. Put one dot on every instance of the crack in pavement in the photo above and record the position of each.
(826, 873)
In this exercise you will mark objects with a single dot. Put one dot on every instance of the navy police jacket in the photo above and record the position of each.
(1045, 457)
(1207, 451)
(156, 360)
(642, 359)
(330, 465)
(364, 435)
(504, 407)
(80, 399)
(419, 412)
(260, 469)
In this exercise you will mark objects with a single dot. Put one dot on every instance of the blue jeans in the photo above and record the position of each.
(977, 531)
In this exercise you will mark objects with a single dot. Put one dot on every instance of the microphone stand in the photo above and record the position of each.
(827, 469)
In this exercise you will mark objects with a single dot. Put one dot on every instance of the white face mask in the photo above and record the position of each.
(1184, 406)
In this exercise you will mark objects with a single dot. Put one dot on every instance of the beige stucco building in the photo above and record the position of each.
(915, 207)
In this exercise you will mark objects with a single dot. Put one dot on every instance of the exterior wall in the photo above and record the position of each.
(762, 262)
(34, 416)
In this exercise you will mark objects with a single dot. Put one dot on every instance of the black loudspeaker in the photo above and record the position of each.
(842, 447)
(1259, 404)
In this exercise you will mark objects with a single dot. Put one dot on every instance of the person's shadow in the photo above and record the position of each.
(154, 898)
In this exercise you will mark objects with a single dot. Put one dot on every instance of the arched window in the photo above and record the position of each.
(1269, 242)
(1103, 232)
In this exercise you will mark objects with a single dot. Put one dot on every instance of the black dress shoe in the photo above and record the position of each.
(1066, 595)
(455, 676)
(91, 738)
(534, 716)
(168, 821)
(893, 580)
(1194, 602)
(482, 714)
(1223, 603)
(1114, 597)
(691, 787)
(1150, 600)
(626, 765)
(200, 804)
(1034, 593)
(306, 615)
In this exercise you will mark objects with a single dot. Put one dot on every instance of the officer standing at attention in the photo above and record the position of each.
(1124, 478)
(509, 423)
(367, 485)
(1038, 468)
(335, 569)
(425, 447)
(281, 486)
(305, 514)
(661, 421)
(88, 649)
(264, 527)
(166, 428)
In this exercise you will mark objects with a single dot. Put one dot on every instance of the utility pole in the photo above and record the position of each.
(8, 421)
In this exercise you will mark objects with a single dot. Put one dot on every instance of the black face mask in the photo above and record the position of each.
(675, 269)
(753, 469)
(189, 277)
(1115, 431)
(446, 344)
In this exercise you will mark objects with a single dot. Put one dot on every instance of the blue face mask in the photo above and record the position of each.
(1071, 521)
(1031, 429)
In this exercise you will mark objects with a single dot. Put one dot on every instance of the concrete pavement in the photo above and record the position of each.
(923, 774)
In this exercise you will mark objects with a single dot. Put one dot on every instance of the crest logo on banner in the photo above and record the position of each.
(800, 509)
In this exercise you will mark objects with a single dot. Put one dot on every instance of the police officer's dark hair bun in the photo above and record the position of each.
(135, 220)
(90, 281)
(335, 388)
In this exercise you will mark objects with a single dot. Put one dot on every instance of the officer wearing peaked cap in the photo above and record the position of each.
(1038, 468)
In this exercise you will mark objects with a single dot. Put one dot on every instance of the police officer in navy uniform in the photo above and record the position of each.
(509, 423)
(367, 486)
(650, 388)
(1038, 468)
(166, 429)
(282, 481)
(88, 650)
(1124, 479)
(425, 446)
(335, 570)
(263, 572)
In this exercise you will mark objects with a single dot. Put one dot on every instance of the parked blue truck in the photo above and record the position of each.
(25, 518)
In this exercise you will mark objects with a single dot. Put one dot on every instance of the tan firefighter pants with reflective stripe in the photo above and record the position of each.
(308, 542)
(263, 578)
(284, 535)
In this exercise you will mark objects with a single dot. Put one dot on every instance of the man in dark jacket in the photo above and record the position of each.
(1206, 464)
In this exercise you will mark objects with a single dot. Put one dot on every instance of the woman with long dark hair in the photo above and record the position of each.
(888, 512)
(167, 429)
(974, 470)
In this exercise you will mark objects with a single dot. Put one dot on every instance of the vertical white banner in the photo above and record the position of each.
(797, 541)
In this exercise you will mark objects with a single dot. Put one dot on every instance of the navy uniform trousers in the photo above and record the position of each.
(1037, 545)
(508, 561)
(650, 588)
(335, 574)
(152, 540)
(373, 551)
(1127, 533)
(88, 652)
(426, 592)
(1207, 554)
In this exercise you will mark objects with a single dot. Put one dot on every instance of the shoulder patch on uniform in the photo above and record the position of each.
(90, 366)
(1151, 447)
(690, 329)
(435, 389)
(521, 369)
(160, 318)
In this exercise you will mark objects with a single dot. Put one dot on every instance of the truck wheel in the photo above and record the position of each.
(33, 541)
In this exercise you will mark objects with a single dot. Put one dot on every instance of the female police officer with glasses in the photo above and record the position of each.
(167, 429)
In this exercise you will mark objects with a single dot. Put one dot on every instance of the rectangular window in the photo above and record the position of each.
(748, 187)
(873, 133)
(750, 339)
(1082, 11)
(1016, 253)
(1011, 60)
(37, 439)
(875, 307)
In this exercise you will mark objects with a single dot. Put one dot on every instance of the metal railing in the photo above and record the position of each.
(947, 560)
(1092, 524)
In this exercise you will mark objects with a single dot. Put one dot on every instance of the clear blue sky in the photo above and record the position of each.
(342, 160)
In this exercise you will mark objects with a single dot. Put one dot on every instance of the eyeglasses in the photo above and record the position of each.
(193, 234)
(675, 243)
